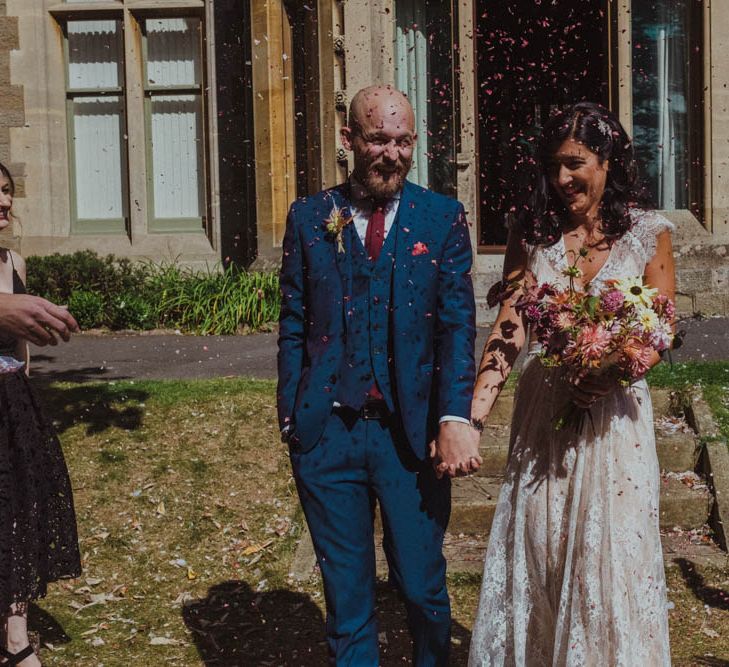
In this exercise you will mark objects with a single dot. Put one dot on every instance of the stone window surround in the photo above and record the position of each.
(58, 234)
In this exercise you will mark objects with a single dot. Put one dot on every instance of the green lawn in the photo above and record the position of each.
(188, 520)
(709, 378)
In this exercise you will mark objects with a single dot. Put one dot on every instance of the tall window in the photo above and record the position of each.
(96, 122)
(424, 71)
(135, 108)
(174, 110)
(668, 100)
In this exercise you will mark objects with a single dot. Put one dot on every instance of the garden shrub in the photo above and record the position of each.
(120, 294)
(87, 307)
(56, 276)
(131, 311)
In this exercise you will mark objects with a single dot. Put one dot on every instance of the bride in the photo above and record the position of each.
(574, 570)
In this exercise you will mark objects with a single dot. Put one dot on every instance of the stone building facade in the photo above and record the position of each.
(182, 129)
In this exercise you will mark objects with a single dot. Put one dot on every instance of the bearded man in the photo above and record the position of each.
(376, 372)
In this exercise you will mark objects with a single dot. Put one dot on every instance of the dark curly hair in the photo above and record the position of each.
(541, 216)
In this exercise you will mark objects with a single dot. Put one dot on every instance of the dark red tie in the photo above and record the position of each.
(374, 239)
(375, 236)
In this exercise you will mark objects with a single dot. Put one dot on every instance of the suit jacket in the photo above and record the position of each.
(432, 328)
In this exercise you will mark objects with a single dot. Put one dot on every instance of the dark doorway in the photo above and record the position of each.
(531, 58)
(238, 238)
(305, 37)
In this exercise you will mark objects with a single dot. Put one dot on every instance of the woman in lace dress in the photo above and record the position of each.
(574, 570)
(38, 541)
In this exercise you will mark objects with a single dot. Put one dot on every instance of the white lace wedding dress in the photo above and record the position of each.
(574, 570)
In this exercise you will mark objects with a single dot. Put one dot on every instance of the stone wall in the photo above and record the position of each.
(12, 111)
(702, 279)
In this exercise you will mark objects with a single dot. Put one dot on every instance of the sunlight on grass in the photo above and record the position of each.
(189, 521)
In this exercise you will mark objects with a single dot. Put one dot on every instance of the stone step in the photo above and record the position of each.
(501, 412)
(683, 506)
(676, 450)
(474, 503)
(676, 444)
(465, 553)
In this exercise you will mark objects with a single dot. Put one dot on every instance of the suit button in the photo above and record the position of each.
(376, 300)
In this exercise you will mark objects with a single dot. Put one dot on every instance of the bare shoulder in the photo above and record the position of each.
(18, 261)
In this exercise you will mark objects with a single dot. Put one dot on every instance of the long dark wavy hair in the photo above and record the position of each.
(540, 218)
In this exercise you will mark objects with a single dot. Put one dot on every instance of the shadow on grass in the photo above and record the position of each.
(50, 374)
(98, 406)
(713, 597)
(48, 628)
(235, 626)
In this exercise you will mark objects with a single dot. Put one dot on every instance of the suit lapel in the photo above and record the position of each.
(340, 197)
(408, 230)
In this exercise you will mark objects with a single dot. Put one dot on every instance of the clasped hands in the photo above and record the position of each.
(455, 451)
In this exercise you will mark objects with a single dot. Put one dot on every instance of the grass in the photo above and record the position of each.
(188, 521)
(711, 378)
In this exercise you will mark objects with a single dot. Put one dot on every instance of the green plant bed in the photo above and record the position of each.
(119, 294)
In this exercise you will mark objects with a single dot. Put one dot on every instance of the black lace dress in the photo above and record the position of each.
(38, 538)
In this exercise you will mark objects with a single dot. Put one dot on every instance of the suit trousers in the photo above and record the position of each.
(356, 463)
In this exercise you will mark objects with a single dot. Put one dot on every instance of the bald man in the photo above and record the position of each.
(376, 372)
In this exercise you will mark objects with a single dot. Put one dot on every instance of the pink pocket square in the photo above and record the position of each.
(420, 249)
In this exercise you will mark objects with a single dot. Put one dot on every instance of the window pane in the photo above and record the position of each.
(177, 165)
(97, 147)
(173, 52)
(662, 104)
(423, 70)
(94, 54)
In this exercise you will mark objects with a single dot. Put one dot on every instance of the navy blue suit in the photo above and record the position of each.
(406, 321)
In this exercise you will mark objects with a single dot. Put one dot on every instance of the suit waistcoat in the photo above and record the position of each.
(367, 347)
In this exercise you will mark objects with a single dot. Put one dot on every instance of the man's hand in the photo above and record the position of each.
(34, 319)
(455, 450)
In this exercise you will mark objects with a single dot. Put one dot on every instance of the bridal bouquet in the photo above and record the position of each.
(615, 330)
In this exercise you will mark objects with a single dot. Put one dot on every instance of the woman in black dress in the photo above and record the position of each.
(38, 540)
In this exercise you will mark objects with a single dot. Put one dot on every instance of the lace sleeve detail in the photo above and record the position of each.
(647, 225)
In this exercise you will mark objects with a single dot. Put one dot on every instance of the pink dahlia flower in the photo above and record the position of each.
(661, 337)
(612, 301)
(637, 359)
(593, 341)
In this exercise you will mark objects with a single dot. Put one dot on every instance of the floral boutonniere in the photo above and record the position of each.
(335, 224)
